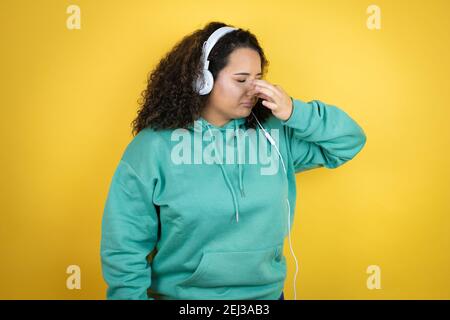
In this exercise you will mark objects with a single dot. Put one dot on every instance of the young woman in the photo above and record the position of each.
(204, 194)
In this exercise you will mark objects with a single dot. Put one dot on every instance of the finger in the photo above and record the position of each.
(264, 97)
(270, 105)
(265, 84)
(269, 94)
(279, 88)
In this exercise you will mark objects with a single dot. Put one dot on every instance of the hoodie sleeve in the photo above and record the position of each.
(321, 135)
(129, 234)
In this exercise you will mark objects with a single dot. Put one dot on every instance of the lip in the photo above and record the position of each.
(247, 104)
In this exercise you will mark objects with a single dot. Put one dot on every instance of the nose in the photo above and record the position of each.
(251, 88)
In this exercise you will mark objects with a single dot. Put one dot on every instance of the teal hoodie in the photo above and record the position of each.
(175, 227)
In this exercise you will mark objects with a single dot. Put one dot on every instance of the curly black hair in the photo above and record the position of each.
(170, 101)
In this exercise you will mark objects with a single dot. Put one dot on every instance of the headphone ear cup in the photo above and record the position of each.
(208, 82)
(198, 84)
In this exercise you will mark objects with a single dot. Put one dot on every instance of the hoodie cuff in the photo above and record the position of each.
(299, 107)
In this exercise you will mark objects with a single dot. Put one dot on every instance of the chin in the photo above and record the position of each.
(245, 111)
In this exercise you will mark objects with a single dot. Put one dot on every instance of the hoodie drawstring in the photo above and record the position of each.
(238, 142)
(225, 175)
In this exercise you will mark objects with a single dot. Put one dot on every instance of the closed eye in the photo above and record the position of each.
(244, 80)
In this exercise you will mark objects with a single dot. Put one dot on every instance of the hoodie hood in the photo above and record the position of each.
(201, 126)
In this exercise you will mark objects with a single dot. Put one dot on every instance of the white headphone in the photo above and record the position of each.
(204, 84)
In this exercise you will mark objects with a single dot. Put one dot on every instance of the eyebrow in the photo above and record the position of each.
(247, 74)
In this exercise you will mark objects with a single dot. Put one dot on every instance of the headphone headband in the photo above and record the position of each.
(212, 40)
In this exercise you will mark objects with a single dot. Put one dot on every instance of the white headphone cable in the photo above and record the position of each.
(269, 137)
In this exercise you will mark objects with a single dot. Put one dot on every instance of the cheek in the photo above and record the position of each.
(228, 91)
(234, 90)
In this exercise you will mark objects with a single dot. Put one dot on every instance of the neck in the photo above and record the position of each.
(214, 118)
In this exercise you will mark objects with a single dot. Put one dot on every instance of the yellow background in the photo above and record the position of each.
(68, 98)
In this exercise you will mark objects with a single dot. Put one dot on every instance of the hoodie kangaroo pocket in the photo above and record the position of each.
(239, 268)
